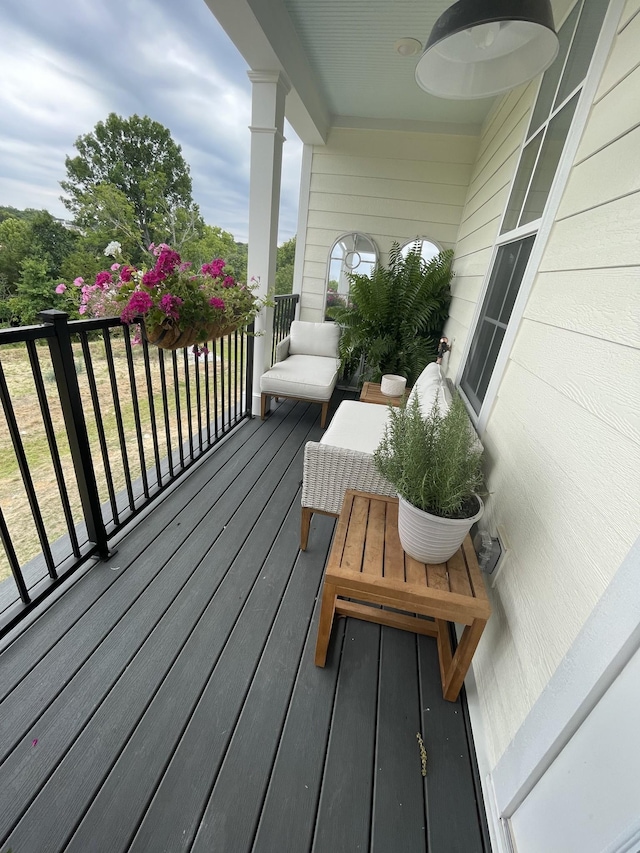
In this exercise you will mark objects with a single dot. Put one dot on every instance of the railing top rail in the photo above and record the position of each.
(20, 334)
(294, 297)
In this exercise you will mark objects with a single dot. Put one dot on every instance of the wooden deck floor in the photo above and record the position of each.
(168, 701)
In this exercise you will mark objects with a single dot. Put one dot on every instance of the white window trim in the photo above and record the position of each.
(589, 89)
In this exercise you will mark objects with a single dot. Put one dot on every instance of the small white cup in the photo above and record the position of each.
(393, 386)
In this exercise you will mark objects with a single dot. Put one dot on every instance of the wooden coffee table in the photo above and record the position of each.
(367, 564)
(371, 393)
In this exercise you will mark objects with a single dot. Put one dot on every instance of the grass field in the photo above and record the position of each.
(18, 374)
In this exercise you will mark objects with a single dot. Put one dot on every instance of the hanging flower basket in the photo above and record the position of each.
(169, 336)
(181, 306)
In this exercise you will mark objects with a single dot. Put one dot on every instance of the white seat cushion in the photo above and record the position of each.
(357, 426)
(310, 377)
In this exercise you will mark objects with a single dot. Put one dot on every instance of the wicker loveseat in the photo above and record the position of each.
(343, 458)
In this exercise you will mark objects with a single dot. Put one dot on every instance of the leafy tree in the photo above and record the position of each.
(35, 291)
(8, 212)
(15, 238)
(214, 242)
(394, 318)
(148, 186)
(84, 262)
(51, 241)
(284, 266)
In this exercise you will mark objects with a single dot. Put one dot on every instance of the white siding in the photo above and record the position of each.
(389, 185)
(486, 199)
(563, 439)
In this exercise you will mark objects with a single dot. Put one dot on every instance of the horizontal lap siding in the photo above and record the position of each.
(563, 439)
(391, 186)
(486, 199)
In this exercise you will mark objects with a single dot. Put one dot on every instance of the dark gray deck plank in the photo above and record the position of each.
(54, 624)
(452, 820)
(55, 732)
(288, 815)
(227, 821)
(178, 538)
(203, 692)
(344, 811)
(398, 821)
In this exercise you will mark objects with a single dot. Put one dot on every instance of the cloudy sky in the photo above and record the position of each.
(66, 64)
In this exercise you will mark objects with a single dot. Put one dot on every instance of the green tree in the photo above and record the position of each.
(214, 242)
(15, 238)
(35, 291)
(51, 241)
(138, 159)
(284, 266)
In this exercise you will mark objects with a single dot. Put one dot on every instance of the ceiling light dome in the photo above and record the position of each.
(480, 48)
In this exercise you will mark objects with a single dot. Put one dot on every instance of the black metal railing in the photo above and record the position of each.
(283, 313)
(94, 428)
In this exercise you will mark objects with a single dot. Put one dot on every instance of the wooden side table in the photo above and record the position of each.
(367, 564)
(371, 393)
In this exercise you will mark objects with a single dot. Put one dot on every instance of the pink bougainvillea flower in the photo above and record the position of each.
(125, 273)
(228, 281)
(82, 309)
(139, 303)
(216, 302)
(78, 281)
(115, 267)
(185, 266)
(170, 305)
(214, 268)
(61, 287)
(152, 277)
(103, 279)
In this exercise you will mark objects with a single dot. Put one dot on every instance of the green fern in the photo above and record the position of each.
(395, 316)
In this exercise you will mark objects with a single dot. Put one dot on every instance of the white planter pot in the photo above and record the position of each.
(393, 386)
(429, 538)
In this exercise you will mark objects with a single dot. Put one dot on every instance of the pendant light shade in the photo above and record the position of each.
(480, 48)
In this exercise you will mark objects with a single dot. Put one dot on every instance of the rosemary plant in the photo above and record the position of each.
(434, 463)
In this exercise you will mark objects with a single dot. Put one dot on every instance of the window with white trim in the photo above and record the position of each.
(551, 119)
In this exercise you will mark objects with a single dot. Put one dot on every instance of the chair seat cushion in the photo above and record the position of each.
(310, 377)
(357, 426)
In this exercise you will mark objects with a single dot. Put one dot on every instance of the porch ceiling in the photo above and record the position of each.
(340, 59)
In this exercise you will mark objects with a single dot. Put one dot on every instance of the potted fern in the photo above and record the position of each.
(434, 463)
(393, 319)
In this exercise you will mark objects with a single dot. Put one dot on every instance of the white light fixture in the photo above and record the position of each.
(408, 46)
(480, 48)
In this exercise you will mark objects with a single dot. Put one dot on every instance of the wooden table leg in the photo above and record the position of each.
(305, 523)
(326, 621)
(461, 660)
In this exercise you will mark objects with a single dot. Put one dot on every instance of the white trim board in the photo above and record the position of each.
(605, 644)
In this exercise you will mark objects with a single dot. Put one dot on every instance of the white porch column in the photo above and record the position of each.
(267, 123)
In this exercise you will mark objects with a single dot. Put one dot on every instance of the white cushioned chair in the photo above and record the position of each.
(306, 366)
(343, 458)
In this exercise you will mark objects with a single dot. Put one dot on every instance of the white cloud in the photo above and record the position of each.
(66, 64)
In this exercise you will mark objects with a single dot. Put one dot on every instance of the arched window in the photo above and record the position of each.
(351, 253)
(428, 249)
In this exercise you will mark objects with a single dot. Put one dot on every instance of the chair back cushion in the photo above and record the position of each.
(314, 339)
(429, 387)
